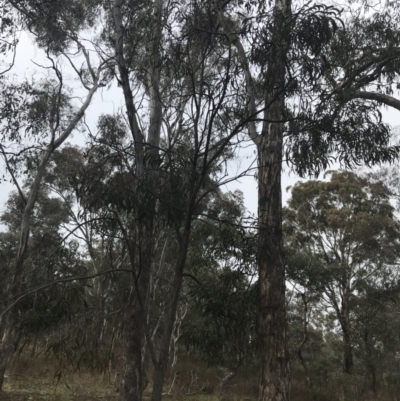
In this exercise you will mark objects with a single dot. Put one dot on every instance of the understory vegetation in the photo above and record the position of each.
(191, 379)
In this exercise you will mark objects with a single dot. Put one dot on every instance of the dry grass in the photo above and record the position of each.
(191, 379)
(34, 379)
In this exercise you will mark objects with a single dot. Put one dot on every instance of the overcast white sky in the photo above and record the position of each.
(106, 101)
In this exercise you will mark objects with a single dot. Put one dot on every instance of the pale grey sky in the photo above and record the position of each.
(107, 101)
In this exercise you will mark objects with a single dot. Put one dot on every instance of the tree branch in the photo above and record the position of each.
(379, 97)
(61, 280)
(21, 194)
(234, 39)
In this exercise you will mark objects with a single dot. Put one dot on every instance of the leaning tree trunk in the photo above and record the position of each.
(9, 327)
(274, 360)
(7, 340)
(161, 366)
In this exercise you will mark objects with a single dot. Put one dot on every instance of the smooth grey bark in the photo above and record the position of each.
(154, 80)
(136, 337)
(147, 171)
(250, 90)
(162, 364)
(126, 87)
(6, 345)
(148, 176)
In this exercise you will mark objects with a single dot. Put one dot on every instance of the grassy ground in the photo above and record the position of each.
(84, 387)
(36, 379)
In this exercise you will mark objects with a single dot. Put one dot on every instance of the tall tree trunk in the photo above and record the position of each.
(135, 334)
(305, 340)
(370, 366)
(161, 367)
(146, 176)
(133, 374)
(6, 351)
(347, 353)
(346, 333)
(2, 372)
(274, 360)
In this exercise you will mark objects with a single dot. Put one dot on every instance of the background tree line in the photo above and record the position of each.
(342, 278)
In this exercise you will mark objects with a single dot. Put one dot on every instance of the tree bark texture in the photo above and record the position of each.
(370, 366)
(135, 317)
(133, 374)
(347, 353)
(2, 372)
(300, 349)
(346, 333)
(274, 360)
(6, 351)
(146, 155)
(347, 350)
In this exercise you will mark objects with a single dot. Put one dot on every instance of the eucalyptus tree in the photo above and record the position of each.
(184, 80)
(346, 235)
(36, 120)
(307, 69)
(46, 118)
(8, 37)
(164, 179)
